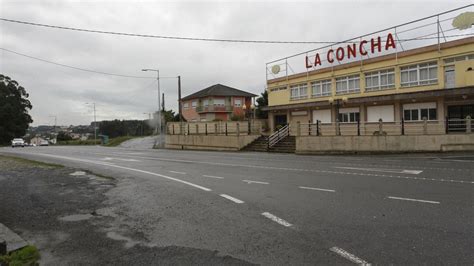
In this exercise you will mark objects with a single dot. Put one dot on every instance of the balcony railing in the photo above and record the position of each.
(214, 108)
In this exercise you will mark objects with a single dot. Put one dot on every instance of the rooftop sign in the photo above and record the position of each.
(352, 51)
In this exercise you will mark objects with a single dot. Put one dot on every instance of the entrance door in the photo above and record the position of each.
(449, 77)
(280, 120)
(456, 116)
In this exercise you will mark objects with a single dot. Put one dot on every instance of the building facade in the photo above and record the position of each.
(433, 82)
(217, 102)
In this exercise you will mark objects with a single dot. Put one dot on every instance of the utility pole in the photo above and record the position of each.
(179, 99)
(159, 128)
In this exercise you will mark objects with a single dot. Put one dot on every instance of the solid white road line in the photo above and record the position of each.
(341, 252)
(276, 219)
(181, 173)
(399, 171)
(211, 176)
(256, 182)
(232, 198)
(319, 189)
(126, 168)
(418, 200)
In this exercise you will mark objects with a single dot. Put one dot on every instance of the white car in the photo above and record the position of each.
(44, 143)
(18, 142)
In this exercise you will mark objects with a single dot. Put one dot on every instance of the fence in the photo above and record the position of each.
(230, 128)
(381, 128)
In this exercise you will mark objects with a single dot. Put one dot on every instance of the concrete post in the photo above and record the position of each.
(338, 129)
(425, 126)
(197, 128)
(238, 129)
(215, 129)
(468, 124)
(380, 126)
(298, 129)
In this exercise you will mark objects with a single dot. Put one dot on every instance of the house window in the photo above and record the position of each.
(299, 91)
(459, 58)
(205, 102)
(194, 104)
(219, 102)
(380, 80)
(186, 105)
(349, 84)
(348, 115)
(321, 88)
(238, 102)
(421, 74)
(416, 112)
(278, 89)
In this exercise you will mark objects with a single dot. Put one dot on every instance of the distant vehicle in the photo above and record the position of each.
(18, 142)
(44, 143)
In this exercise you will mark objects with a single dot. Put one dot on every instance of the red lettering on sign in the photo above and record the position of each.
(362, 50)
(307, 63)
(390, 42)
(351, 50)
(378, 45)
(330, 59)
(340, 54)
(317, 60)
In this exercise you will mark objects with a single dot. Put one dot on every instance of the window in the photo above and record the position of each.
(238, 102)
(421, 74)
(299, 91)
(194, 104)
(348, 115)
(321, 88)
(219, 102)
(186, 105)
(416, 112)
(205, 102)
(458, 58)
(349, 84)
(384, 112)
(278, 89)
(380, 80)
(324, 116)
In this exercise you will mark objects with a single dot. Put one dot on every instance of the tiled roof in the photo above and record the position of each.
(218, 90)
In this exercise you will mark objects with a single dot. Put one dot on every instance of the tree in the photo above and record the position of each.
(62, 136)
(14, 107)
(262, 101)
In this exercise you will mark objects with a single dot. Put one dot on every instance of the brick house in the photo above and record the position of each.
(217, 102)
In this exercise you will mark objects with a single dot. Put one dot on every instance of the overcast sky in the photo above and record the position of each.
(63, 92)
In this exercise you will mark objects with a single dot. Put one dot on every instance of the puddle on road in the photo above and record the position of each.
(76, 217)
(116, 236)
(78, 173)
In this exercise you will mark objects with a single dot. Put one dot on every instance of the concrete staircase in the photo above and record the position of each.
(286, 145)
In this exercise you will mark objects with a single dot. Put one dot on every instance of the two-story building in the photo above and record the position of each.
(217, 102)
(434, 82)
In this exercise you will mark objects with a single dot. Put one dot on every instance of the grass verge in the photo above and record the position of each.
(31, 162)
(118, 140)
(28, 255)
(78, 142)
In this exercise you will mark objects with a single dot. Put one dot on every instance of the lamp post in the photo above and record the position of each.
(95, 125)
(159, 128)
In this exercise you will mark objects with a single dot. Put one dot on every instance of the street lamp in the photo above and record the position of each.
(95, 125)
(160, 137)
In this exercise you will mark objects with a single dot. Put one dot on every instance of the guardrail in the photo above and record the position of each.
(424, 127)
(278, 135)
(226, 128)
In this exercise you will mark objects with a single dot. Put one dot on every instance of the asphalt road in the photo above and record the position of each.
(289, 209)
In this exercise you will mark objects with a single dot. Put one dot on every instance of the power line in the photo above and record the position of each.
(73, 67)
(161, 36)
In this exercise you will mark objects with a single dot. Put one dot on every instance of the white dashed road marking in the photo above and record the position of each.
(319, 189)
(255, 182)
(232, 198)
(181, 173)
(341, 252)
(418, 200)
(211, 176)
(276, 219)
(398, 171)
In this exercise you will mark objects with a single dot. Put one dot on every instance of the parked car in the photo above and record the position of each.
(18, 142)
(44, 143)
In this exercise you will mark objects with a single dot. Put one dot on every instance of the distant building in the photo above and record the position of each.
(217, 102)
(36, 140)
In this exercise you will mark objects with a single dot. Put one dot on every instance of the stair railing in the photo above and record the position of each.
(278, 135)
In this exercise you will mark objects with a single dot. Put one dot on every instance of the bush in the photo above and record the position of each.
(28, 255)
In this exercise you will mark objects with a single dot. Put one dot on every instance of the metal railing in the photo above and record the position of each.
(424, 127)
(223, 128)
(215, 108)
(278, 135)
